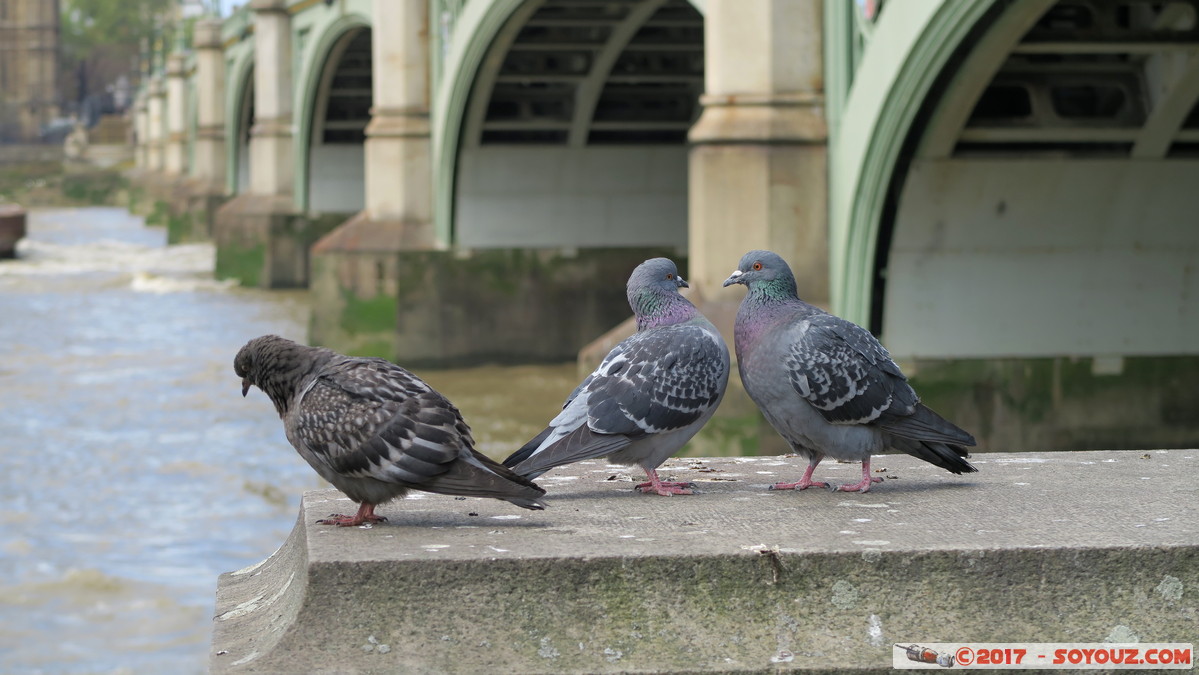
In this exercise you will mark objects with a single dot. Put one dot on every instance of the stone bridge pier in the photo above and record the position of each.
(205, 185)
(357, 268)
(758, 153)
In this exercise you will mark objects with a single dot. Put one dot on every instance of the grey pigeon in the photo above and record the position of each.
(373, 429)
(650, 394)
(826, 384)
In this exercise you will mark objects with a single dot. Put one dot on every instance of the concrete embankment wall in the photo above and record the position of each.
(1075, 547)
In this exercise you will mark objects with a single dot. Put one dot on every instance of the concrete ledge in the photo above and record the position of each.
(1077, 547)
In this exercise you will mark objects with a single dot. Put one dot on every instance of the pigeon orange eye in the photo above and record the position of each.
(669, 276)
(757, 266)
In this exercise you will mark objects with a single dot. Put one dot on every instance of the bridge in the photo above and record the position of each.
(1003, 190)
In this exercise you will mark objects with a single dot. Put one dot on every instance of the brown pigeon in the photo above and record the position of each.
(372, 429)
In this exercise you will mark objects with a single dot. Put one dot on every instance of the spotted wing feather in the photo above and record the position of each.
(664, 381)
(653, 382)
(368, 418)
(844, 372)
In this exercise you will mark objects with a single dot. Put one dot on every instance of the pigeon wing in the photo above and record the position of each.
(663, 380)
(652, 382)
(369, 418)
(844, 372)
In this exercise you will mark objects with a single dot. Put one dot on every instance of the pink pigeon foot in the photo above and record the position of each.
(366, 514)
(805, 481)
(664, 488)
(862, 485)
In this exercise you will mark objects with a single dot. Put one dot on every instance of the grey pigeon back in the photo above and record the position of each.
(826, 384)
(373, 429)
(648, 396)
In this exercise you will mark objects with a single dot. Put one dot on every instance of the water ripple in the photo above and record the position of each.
(133, 472)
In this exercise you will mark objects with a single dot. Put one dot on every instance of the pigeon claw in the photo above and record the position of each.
(861, 486)
(341, 520)
(663, 487)
(366, 514)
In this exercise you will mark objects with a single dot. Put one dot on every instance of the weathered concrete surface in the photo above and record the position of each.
(1078, 547)
(261, 241)
(372, 295)
(1066, 403)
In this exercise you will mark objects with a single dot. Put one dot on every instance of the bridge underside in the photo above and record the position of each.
(340, 112)
(1035, 253)
(575, 133)
(1058, 220)
(568, 166)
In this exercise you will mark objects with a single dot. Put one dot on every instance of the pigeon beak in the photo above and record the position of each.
(682, 282)
(734, 278)
(245, 386)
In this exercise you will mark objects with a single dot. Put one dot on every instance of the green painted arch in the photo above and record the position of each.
(906, 55)
(474, 32)
(310, 75)
(239, 78)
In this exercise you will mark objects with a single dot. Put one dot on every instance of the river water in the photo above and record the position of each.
(133, 472)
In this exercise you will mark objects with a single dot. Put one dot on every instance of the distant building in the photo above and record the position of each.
(29, 41)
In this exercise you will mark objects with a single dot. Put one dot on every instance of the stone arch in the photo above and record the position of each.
(239, 117)
(486, 38)
(334, 147)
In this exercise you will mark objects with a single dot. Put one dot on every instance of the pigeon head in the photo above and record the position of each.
(764, 272)
(243, 365)
(251, 361)
(658, 273)
(653, 292)
(276, 366)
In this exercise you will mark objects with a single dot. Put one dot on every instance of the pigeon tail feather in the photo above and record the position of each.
(487, 479)
(580, 444)
(925, 425)
(527, 449)
(945, 455)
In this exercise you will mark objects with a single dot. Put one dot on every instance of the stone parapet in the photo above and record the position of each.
(1037, 547)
